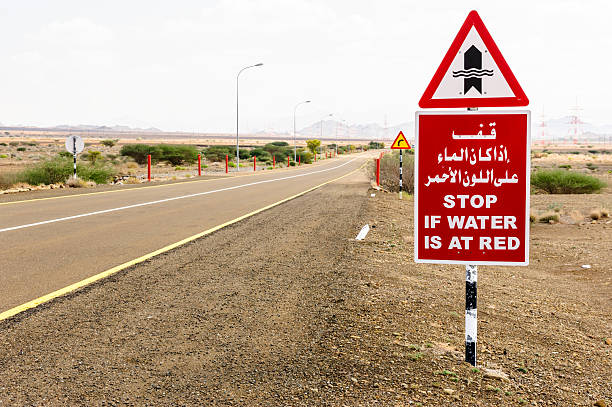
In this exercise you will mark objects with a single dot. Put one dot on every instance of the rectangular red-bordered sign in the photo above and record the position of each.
(472, 187)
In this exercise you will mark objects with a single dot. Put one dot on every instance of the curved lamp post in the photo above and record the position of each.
(237, 139)
(294, 142)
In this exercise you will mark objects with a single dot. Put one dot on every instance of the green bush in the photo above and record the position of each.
(178, 154)
(65, 154)
(3, 156)
(376, 145)
(109, 143)
(218, 153)
(21, 149)
(261, 154)
(139, 152)
(566, 182)
(3, 144)
(59, 169)
(231, 164)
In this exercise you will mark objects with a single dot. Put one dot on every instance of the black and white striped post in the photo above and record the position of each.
(471, 319)
(400, 184)
(74, 153)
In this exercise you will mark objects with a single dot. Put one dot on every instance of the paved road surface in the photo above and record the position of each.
(45, 248)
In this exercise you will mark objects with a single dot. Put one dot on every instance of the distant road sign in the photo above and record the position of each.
(74, 144)
(473, 73)
(472, 188)
(400, 143)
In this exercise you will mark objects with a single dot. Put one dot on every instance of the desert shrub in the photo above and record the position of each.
(53, 171)
(59, 169)
(566, 182)
(389, 172)
(14, 143)
(179, 168)
(178, 154)
(32, 144)
(109, 143)
(65, 154)
(218, 153)
(76, 183)
(549, 217)
(532, 218)
(261, 154)
(139, 152)
(93, 156)
(231, 164)
(565, 166)
(278, 149)
(604, 213)
(3, 144)
(3, 156)
(376, 145)
(591, 166)
(21, 149)
(7, 179)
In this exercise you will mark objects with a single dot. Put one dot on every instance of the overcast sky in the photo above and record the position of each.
(173, 64)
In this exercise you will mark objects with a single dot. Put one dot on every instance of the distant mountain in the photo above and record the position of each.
(88, 127)
(564, 128)
(332, 129)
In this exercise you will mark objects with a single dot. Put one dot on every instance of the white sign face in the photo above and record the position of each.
(473, 73)
(74, 142)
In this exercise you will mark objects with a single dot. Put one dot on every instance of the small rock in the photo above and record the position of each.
(495, 374)
(600, 403)
(608, 341)
(449, 391)
(354, 380)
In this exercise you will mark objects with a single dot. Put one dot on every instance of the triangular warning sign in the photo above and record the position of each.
(400, 143)
(473, 73)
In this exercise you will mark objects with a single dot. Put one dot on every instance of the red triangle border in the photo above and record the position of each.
(473, 19)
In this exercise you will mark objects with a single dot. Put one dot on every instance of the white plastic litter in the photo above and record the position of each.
(586, 266)
(363, 232)
(372, 195)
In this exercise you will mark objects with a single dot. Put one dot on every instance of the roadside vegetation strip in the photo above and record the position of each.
(83, 215)
(243, 174)
(83, 283)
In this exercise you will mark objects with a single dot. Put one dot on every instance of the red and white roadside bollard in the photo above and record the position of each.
(315, 157)
(226, 164)
(149, 167)
(273, 161)
(288, 162)
(199, 165)
(254, 163)
(299, 160)
(378, 172)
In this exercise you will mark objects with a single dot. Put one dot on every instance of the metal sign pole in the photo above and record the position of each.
(400, 184)
(74, 153)
(471, 320)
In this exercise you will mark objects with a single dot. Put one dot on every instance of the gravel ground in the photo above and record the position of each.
(275, 312)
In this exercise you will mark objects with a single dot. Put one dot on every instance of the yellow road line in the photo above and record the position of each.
(73, 287)
(134, 189)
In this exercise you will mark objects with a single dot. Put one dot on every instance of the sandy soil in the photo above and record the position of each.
(304, 315)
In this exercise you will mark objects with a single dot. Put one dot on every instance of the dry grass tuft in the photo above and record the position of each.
(76, 183)
(595, 214)
(132, 180)
(605, 213)
(549, 217)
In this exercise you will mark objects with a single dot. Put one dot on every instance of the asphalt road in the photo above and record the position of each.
(49, 244)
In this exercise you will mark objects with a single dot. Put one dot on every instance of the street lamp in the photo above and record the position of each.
(337, 124)
(321, 137)
(237, 139)
(294, 142)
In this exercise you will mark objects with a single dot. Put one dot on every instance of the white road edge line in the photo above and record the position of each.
(29, 225)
